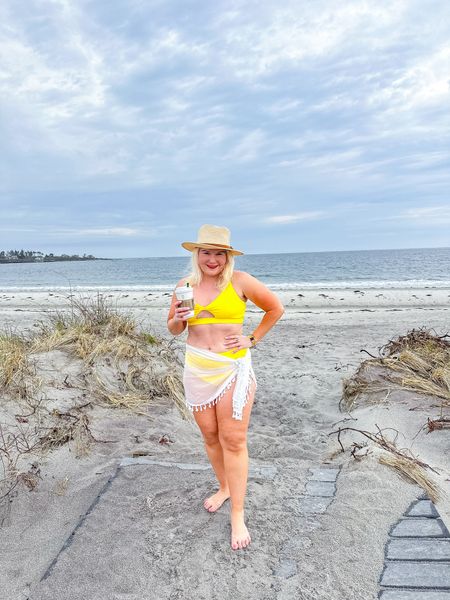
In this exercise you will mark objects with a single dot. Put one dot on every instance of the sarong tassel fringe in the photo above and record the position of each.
(236, 414)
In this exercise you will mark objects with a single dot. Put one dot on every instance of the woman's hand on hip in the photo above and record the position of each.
(237, 342)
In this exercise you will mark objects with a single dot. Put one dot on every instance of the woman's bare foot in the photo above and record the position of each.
(240, 537)
(215, 501)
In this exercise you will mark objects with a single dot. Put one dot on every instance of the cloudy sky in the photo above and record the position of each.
(302, 126)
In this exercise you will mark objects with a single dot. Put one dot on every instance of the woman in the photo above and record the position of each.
(218, 377)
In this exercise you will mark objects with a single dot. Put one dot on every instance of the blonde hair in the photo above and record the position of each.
(195, 276)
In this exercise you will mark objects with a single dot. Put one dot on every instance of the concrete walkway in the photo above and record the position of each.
(146, 537)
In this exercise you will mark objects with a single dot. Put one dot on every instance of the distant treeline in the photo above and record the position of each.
(16, 256)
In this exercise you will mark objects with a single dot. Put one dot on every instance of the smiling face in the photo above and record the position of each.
(212, 262)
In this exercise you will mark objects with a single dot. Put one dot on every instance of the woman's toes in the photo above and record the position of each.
(215, 501)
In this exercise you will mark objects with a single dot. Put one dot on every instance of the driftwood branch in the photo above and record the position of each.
(383, 443)
(371, 355)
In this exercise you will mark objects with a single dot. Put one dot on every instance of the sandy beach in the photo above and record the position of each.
(91, 530)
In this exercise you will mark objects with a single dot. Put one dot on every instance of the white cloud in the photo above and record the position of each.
(295, 218)
(260, 42)
(286, 105)
(248, 148)
(427, 215)
(426, 82)
(108, 232)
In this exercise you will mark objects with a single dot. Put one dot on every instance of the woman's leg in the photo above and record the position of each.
(233, 439)
(207, 421)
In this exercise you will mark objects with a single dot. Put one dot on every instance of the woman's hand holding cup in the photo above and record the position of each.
(185, 304)
(181, 312)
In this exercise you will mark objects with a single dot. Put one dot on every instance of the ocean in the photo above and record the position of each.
(412, 268)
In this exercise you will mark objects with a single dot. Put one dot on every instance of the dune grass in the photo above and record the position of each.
(414, 472)
(418, 361)
(88, 329)
(121, 367)
(147, 368)
(17, 374)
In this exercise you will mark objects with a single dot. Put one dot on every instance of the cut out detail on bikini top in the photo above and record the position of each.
(227, 307)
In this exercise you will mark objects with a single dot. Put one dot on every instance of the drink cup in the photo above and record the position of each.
(186, 295)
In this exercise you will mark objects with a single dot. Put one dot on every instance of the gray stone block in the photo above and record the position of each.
(266, 471)
(422, 508)
(414, 595)
(323, 474)
(287, 568)
(416, 574)
(418, 549)
(320, 488)
(418, 527)
(313, 505)
(129, 461)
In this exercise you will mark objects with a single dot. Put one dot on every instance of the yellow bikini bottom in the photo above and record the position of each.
(238, 354)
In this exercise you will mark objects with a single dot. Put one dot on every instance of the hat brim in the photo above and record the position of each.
(192, 245)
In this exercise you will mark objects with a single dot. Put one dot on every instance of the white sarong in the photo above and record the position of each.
(208, 375)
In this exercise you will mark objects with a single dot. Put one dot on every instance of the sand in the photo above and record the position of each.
(141, 531)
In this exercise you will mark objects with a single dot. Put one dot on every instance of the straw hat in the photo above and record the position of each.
(212, 237)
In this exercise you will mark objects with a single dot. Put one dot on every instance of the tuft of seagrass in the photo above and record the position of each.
(17, 373)
(400, 459)
(126, 368)
(412, 472)
(114, 363)
(418, 362)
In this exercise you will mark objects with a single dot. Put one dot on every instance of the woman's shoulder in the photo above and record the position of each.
(243, 282)
(239, 274)
(242, 276)
(246, 282)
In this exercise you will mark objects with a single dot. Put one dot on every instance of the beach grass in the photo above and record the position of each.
(85, 328)
(16, 368)
(413, 472)
(418, 362)
(147, 368)
(111, 362)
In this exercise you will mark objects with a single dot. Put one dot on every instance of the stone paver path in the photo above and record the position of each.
(417, 565)
(320, 490)
(319, 493)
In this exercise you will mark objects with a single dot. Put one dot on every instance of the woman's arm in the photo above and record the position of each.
(176, 320)
(263, 298)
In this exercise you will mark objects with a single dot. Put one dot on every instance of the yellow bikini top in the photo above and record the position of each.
(227, 307)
